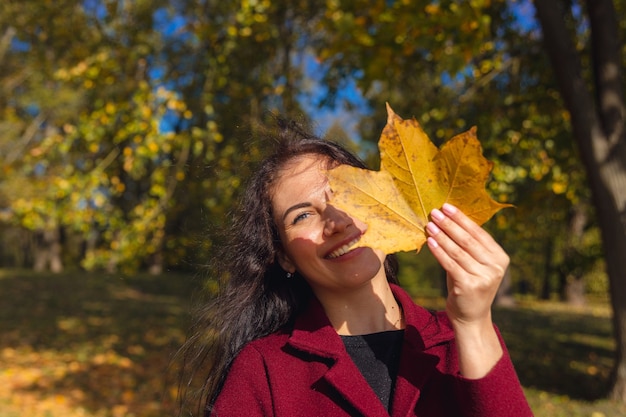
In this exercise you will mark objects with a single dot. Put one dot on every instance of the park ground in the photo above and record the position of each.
(91, 345)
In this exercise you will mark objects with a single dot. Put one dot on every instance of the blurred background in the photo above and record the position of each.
(128, 128)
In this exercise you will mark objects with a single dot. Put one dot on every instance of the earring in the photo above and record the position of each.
(289, 275)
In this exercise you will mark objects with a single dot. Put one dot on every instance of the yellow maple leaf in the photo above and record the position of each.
(414, 178)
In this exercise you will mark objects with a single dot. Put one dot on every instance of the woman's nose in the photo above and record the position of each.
(335, 221)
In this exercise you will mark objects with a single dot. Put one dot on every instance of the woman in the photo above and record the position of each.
(307, 325)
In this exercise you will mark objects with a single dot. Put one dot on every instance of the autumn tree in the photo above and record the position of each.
(32, 107)
(97, 165)
(133, 138)
(457, 64)
(597, 110)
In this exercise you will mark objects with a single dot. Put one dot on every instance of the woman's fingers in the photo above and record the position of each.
(473, 259)
(465, 232)
(463, 240)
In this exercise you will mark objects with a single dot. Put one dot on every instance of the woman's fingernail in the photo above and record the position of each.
(432, 243)
(436, 214)
(449, 209)
(432, 228)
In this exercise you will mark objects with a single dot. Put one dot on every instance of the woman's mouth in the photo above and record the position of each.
(342, 250)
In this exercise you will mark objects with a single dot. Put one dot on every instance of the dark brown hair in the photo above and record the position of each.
(255, 298)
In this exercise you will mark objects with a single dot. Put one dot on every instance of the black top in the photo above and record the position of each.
(377, 356)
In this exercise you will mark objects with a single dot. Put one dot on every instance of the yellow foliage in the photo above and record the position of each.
(432, 9)
(153, 147)
(99, 200)
(414, 178)
(109, 108)
(146, 112)
(559, 187)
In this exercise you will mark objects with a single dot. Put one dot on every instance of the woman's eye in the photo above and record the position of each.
(300, 217)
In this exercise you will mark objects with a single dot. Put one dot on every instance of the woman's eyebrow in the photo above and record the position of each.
(296, 207)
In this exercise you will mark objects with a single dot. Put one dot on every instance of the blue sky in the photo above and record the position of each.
(323, 118)
(349, 106)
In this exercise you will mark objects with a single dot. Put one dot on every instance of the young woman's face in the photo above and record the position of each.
(317, 238)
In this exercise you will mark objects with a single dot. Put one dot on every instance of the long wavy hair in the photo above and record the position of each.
(255, 298)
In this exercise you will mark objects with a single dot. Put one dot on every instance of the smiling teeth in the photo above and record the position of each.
(342, 250)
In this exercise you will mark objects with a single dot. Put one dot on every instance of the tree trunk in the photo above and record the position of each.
(575, 291)
(156, 263)
(546, 288)
(40, 255)
(572, 271)
(48, 251)
(599, 132)
(504, 297)
(56, 263)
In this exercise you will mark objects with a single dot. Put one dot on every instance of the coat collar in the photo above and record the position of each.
(423, 330)
(314, 334)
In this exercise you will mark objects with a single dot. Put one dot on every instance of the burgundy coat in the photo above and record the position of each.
(307, 372)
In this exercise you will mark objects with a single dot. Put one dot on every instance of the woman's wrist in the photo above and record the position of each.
(478, 347)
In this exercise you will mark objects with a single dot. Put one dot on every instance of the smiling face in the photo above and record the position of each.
(316, 237)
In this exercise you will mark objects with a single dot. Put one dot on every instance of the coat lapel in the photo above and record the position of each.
(423, 330)
(416, 367)
(314, 335)
(351, 385)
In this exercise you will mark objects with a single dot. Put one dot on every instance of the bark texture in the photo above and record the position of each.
(597, 115)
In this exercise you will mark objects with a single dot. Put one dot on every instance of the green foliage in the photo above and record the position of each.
(454, 65)
(134, 138)
(135, 162)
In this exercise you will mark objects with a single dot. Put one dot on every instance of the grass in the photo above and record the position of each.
(82, 344)
(94, 345)
(563, 357)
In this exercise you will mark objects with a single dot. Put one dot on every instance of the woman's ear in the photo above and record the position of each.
(285, 262)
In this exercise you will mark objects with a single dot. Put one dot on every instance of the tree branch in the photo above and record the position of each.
(23, 142)
(5, 41)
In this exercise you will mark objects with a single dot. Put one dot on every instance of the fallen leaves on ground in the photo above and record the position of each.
(99, 346)
(79, 347)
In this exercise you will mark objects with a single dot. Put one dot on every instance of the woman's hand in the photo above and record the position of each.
(475, 264)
